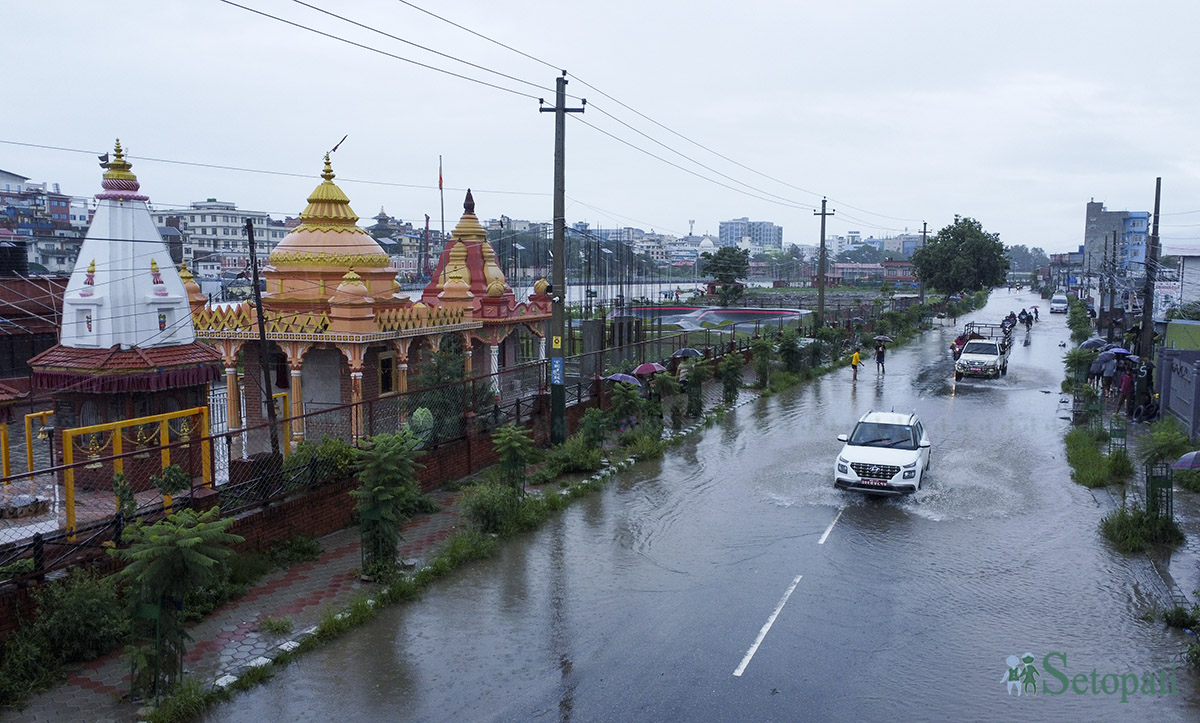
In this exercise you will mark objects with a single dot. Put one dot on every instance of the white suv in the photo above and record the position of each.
(886, 454)
(1058, 304)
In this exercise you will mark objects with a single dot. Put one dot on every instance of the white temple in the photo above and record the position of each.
(124, 290)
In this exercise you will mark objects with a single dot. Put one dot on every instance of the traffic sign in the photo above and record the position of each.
(556, 370)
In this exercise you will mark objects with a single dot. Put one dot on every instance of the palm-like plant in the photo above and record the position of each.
(387, 496)
(514, 448)
(163, 562)
(789, 351)
(730, 371)
(626, 403)
(697, 374)
(764, 353)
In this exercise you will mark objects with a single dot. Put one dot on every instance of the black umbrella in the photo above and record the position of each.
(1093, 343)
(687, 352)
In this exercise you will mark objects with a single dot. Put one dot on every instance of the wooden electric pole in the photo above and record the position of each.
(924, 234)
(821, 261)
(1146, 347)
(264, 352)
(558, 390)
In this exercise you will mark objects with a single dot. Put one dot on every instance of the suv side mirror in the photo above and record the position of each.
(843, 437)
(924, 444)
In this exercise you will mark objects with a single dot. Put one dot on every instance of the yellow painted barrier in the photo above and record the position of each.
(41, 417)
(116, 438)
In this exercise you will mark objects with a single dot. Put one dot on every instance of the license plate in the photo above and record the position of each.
(874, 482)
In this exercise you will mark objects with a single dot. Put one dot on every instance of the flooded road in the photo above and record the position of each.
(731, 581)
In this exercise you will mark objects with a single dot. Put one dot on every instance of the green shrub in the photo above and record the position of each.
(1166, 442)
(1188, 479)
(1181, 617)
(626, 405)
(763, 352)
(80, 617)
(1132, 529)
(293, 550)
(330, 459)
(789, 351)
(644, 446)
(574, 455)
(490, 507)
(1120, 467)
(593, 427)
(697, 373)
(17, 569)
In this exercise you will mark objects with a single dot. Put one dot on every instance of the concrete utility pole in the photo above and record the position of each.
(1147, 341)
(821, 269)
(924, 234)
(558, 390)
(263, 350)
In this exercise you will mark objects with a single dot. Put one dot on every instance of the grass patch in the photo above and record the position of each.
(1188, 479)
(1132, 529)
(1088, 466)
(275, 626)
(1181, 617)
(186, 702)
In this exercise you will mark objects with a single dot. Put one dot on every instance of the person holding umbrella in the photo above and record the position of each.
(879, 354)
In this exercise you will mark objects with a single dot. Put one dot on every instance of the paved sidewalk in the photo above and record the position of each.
(228, 641)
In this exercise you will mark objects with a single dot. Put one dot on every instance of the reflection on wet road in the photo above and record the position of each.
(638, 603)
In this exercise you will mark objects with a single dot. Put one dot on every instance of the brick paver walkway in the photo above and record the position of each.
(228, 641)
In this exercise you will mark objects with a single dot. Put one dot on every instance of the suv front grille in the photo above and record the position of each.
(874, 471)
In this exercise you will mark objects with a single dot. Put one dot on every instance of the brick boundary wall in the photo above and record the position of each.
(328, 508)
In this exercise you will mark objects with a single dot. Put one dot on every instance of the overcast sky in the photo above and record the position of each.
(1015, 113)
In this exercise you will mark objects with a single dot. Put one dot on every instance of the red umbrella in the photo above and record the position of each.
(649, 368)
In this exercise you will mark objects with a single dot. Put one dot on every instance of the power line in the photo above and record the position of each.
(690, 171)
(385, 53)
(421, 47)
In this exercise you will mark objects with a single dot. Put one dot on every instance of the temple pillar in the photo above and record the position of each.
(297, 404)
(494, 367)
(468, 353)
(233, 398)
(356, 417)
(295, 351)
(542, 348)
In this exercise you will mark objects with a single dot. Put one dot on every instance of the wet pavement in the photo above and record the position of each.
(731, 581)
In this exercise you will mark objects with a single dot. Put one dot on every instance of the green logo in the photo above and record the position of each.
(1021, 679)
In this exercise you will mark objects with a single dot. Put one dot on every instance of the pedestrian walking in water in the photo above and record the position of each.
(855, 360)
(879, 351)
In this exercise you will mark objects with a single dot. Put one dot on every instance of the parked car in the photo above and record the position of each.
(1058, 304)
(887, 454)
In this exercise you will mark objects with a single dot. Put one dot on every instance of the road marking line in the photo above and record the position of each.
(765, 628)
(830, 528)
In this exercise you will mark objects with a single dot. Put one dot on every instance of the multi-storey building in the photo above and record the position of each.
(41, 216)
(217, 229)
(760, 233)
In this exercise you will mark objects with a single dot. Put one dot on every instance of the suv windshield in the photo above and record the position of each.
(980, 347)
(874, 434)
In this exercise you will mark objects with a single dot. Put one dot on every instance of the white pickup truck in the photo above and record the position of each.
(985, 353)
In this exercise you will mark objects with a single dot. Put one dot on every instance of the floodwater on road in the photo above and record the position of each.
(731, 581)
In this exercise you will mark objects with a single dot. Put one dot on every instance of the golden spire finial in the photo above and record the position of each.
(185, 274)
(92, 267)
(327, 174)
(154, 266)
(118, 167)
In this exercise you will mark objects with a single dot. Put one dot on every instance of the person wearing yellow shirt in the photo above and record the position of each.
(855, 360)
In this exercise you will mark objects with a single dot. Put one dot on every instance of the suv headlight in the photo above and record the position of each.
(910, 470)
(843, 465)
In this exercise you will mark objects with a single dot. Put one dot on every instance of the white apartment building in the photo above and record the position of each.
(217, 229)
